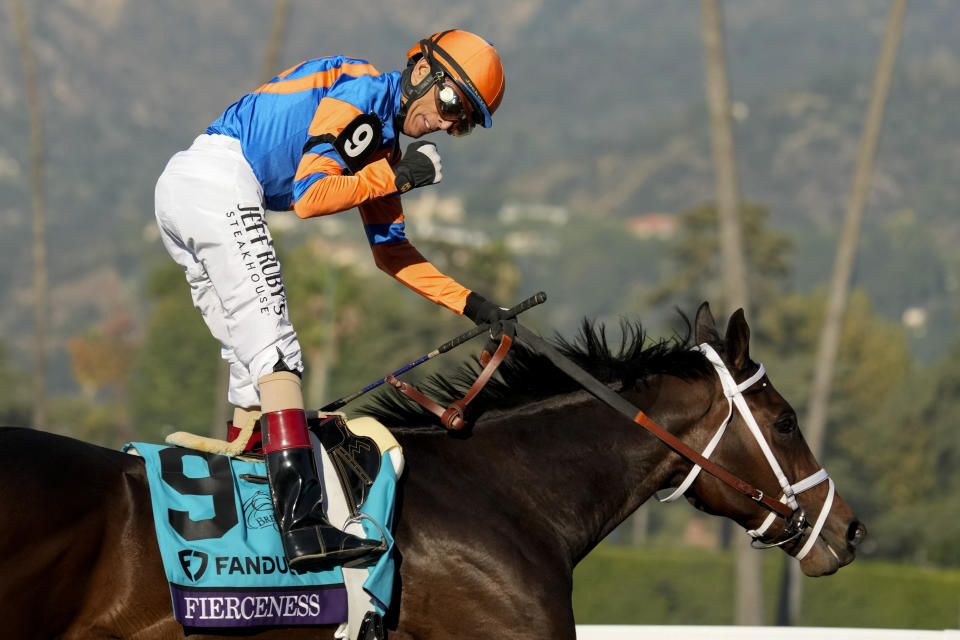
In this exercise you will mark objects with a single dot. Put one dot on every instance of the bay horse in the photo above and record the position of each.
(489, 524)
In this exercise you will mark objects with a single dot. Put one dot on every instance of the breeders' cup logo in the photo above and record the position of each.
(185, 561)
(258, 512)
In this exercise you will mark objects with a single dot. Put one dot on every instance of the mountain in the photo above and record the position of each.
(604, 114)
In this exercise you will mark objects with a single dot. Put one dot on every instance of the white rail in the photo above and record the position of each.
(679, 632)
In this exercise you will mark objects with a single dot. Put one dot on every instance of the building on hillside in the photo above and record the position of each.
(652, 225)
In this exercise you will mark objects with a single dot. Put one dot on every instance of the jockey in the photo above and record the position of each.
(320, 138)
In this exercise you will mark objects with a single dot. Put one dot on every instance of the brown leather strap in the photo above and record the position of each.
(414, 394)
(605, 394)
(451, 417)
(711, 467)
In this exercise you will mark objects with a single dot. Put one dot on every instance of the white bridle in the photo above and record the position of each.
(734, 394)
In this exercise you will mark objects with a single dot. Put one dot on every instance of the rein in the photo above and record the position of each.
(451, 416)
(532, 301)
(786, 507)
(605, 394)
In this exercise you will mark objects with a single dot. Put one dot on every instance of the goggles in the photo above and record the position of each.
(454, 107)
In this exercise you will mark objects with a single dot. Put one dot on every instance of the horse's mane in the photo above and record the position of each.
(526, 376)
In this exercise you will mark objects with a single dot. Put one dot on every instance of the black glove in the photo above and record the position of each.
(420, 166)
(481, 310)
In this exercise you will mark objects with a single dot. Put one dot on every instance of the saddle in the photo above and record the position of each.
(355, 456)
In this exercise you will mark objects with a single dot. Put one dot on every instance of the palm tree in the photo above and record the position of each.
(271, 57)
(829, 342)
(19, 19)
(278, 27)
(749, 565)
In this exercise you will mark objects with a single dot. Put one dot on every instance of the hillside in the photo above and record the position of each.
(604, 116)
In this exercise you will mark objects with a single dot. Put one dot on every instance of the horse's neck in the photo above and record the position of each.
(581, 467)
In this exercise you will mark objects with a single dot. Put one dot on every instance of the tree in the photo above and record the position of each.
(906, 465)
(278, 27)
(102, 361)
(833, 320)
(38, 206)
(575, 265)
(355, 325)
(735, 289)
(14, 393)
(873, 356)
(174, 379)
(693, 258)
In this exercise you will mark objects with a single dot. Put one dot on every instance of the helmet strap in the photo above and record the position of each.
(412, 92)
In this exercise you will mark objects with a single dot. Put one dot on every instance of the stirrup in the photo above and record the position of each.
(301, 559)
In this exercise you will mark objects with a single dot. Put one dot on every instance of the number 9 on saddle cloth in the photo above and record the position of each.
(219, 540)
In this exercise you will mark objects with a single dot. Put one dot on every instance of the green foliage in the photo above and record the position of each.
(357, 325)
(14, 393)
(903, 263)
(900, 264)
(885, 430)
(891, 442)
(891, 435)
(621, 585)
(910, 460)
(89, 419)
(694, 262)
(174, 380)
(883, 595)
(873, 358)
(589, 267)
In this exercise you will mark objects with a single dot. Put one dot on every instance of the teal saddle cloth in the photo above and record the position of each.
(221, 547)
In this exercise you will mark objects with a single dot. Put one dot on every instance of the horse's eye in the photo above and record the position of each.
(786, 424)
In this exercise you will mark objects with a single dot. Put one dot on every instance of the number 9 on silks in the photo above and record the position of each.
(419, 167)
(358, 140)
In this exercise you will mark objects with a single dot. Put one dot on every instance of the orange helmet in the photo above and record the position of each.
(468, 60)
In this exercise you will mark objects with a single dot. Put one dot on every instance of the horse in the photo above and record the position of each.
(490, 522)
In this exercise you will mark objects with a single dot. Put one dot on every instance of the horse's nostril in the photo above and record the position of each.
(856, 533)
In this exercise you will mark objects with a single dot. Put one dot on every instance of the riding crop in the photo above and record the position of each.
(512, 312)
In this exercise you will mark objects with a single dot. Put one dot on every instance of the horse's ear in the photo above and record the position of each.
(706, 326)
(738, 340)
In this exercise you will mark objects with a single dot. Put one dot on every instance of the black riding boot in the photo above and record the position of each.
(310, 542)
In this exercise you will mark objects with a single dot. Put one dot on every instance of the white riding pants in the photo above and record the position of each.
(209, 207)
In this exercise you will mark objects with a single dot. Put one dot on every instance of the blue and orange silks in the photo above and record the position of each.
(287, 127)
